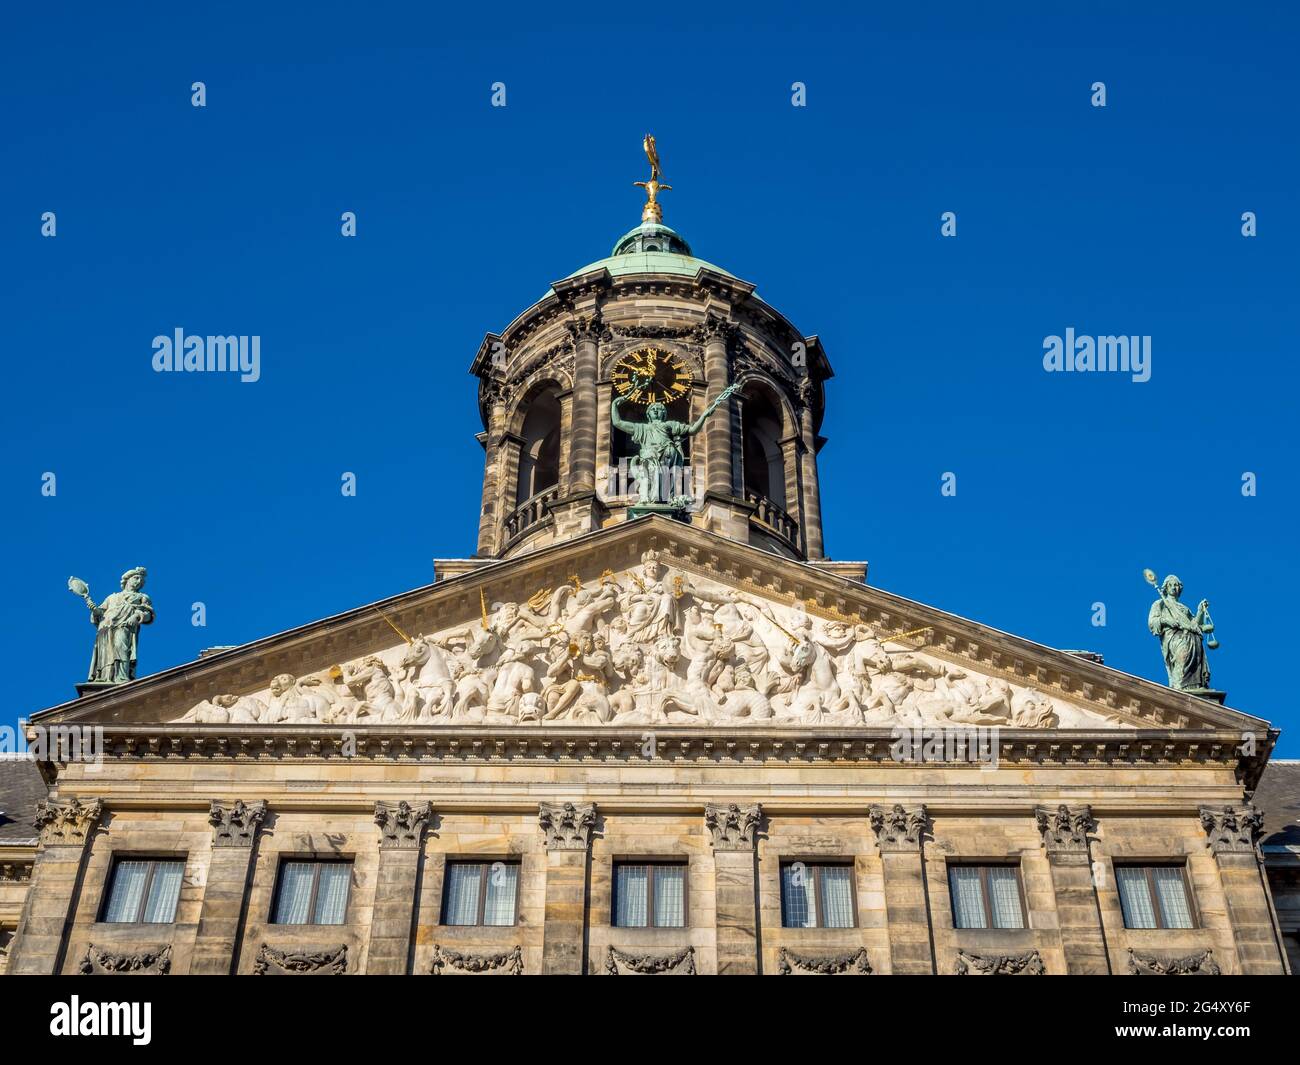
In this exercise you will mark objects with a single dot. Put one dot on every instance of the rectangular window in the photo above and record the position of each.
(143, 891)
(1154, 896)
(817, 895)
(312, 892)
(985, 896)
(649, 895)
(480, 893)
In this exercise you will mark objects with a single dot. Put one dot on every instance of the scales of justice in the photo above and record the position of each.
(653, 378)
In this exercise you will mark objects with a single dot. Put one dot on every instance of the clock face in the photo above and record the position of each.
(649, 375)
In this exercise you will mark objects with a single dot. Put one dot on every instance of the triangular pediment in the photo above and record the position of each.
(648, 623)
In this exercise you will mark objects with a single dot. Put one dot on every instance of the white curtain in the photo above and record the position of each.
(796, 896)
(462, 893)
(502, 882)
(836, 896)
(160, 907)
(294, 897)
(1135, 897)
(967, 896)
(128, 887)
(1172, 892)
(332, 892)
(670, 896)
(1004, 900)
(630, 896)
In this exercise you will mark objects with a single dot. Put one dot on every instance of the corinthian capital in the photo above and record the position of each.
(732, 826)
(715, 327)
(1063, 828)
(235, 824)
(589, 327)
(899, 827)
(401, 824)
(1232, 828)
(567, 826)
(64, 823)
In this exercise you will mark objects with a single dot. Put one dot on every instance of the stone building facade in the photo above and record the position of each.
(664, 744)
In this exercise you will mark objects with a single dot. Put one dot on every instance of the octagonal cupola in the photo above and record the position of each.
(651, 333)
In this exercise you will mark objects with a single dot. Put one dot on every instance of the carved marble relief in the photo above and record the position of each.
(330, 961)
(620, 963)
(1028, 964)
(100, 962)
(648, 647)
(1201, 963)
(448, 962)
(856, 963)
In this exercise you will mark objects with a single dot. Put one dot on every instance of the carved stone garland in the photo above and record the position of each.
(329, 961)
(156, 961)
(451, 962)
(788, 963)
(680, 964)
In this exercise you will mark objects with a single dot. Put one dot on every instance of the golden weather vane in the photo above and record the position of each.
(652, 212)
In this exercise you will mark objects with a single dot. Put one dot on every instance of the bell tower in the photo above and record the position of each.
(563, 388)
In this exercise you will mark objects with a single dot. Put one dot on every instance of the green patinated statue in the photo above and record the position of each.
(659, 440)
(1182, 635)
(118, 619)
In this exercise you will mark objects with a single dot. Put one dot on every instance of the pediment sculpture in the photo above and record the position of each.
(651, 647)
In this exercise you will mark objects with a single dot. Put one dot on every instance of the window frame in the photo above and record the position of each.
(318, 861)
(153, 860)
(986, 894)
(1157, 907)
(481, 908)
(651, 864)
(815, 865)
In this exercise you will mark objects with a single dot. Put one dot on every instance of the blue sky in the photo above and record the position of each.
(225, 219)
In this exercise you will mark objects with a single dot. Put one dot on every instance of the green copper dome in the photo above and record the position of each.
(651, 248)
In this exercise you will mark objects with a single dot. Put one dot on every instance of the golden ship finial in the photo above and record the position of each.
(653, 211)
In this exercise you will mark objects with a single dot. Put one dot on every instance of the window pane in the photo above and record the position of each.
(670, 896)
(836, 896)
(796, 896)
(630, 895)
(502, 881)
(163, 892)
(1172, 892)
(1004, 897)
(128, 888)
(294, 897)
(332, 892)
(967, 896)
(462, 893)
(1135, 898)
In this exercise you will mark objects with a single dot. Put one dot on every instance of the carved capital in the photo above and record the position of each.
(567, 826)
(1232, 829)
(732, 826)
(235, 825)
(66, 823)
(590, 328)
(1065, 829)
(899, 827)
(401, 824)
(714, 328)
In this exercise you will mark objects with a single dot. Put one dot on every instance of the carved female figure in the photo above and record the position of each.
(118, 619)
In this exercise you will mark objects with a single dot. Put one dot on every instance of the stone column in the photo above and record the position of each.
(489, 523)
(65, 832)
(586, 333)
(717, 430)
(401, 839)
(566, 828)
(732, 829)
(900, 832)
(1233, 837)
(810, 518)
(1065, 838)
(234, 835)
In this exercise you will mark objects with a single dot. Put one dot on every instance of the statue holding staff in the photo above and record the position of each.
(118, 619)
(1182, 635)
